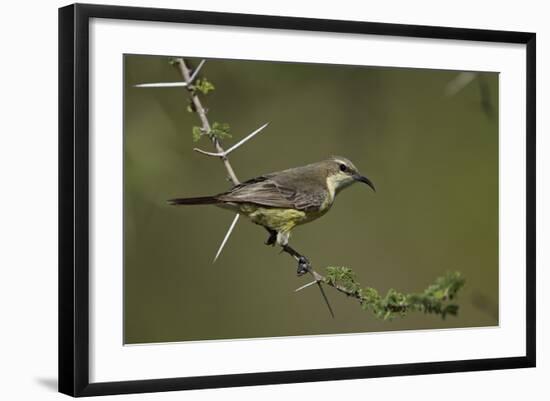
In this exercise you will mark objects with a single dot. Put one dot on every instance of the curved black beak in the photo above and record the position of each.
(364, 179)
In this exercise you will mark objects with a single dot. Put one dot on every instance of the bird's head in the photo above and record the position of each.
(341, 173)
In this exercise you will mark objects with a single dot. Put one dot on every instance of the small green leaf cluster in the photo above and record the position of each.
(197, 133)
(204, 86)
(432, 300)
(220, 130)
(344, 277)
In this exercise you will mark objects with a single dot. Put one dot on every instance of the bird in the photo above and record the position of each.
(283, 200)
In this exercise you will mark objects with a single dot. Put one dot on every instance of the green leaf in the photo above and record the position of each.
(220, 130)
(205, 86)
(197, 133)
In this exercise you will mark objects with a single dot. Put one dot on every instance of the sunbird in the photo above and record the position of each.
(285, 199)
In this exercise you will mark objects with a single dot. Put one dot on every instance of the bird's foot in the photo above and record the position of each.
(303, 266)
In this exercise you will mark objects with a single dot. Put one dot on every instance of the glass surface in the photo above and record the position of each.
(428, 139)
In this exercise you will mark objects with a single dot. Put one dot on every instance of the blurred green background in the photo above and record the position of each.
(432, 156)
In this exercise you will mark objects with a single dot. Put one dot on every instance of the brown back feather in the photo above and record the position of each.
(298, 188)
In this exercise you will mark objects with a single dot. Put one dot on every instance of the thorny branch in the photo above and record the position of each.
(433, 299)
(206, 128)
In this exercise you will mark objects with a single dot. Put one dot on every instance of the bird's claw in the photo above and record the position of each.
(303, 266)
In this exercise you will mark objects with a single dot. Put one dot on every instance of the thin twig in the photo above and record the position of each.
(189, 77)
(206, 128)
(320, 279)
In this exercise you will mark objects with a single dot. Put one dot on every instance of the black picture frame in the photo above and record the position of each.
(74, 198)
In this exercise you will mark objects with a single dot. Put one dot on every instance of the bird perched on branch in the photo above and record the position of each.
(285, 199)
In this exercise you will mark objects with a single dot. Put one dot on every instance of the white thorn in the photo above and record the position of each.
(305, 286)
(204, 152)
(231, 227)
(246, 138)
(161, 85)
(232, 148)
(197, 70)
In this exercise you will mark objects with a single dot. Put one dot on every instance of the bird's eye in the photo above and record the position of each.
(343, 167)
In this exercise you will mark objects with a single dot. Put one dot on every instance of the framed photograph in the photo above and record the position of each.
(252, 199)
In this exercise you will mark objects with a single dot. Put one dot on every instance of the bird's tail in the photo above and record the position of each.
(201, 200)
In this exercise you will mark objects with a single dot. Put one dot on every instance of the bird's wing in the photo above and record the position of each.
(276, 190)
